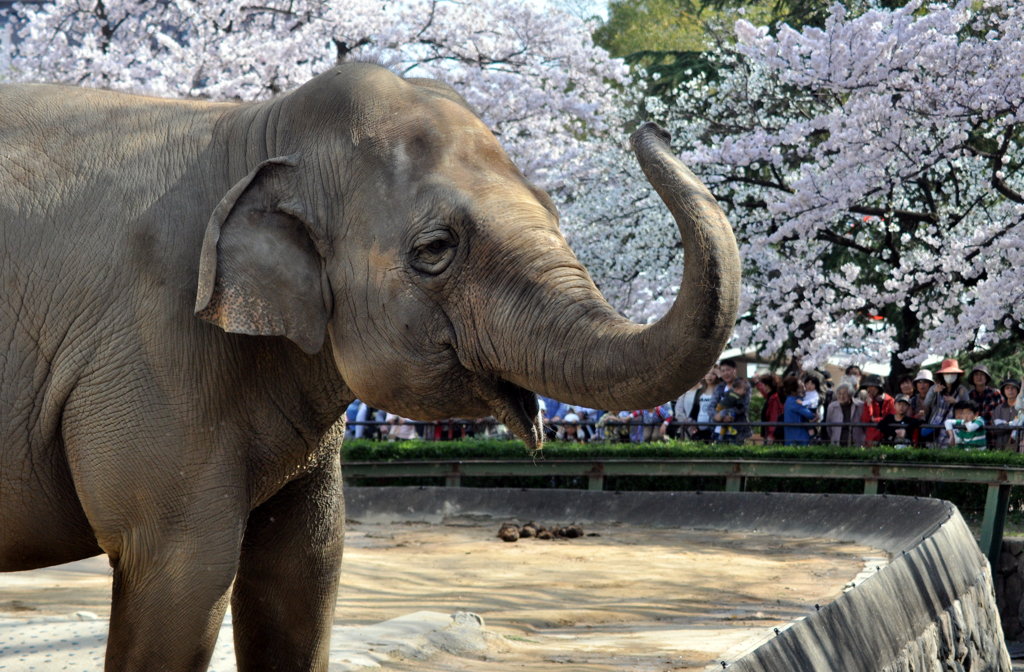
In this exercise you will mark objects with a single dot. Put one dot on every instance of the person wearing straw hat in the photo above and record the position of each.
(982, 392)
(948, 390)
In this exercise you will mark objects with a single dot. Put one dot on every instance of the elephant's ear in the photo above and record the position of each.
(259, 271)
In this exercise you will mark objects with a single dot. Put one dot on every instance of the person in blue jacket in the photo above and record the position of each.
(794, 411)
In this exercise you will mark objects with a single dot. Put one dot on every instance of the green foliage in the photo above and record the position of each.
(364, 450)
(666, 39)
(652, 26)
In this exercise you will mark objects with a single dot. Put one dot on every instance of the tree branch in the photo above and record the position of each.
(829, 236)
(905, 214)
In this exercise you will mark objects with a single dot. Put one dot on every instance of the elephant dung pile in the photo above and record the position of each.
(512, 532)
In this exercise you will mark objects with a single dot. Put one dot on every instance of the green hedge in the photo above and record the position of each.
(364, 450)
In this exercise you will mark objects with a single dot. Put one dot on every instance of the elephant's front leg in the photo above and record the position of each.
(171, 587)
(284, 595)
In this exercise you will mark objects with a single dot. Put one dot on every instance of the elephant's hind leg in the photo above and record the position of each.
(285, 592)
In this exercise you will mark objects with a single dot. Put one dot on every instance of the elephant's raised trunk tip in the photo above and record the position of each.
(649, 128)
(625, 366)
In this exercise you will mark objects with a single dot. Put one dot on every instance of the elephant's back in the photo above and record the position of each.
(103, 201)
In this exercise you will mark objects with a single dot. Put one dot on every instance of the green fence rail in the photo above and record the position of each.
(998, 479)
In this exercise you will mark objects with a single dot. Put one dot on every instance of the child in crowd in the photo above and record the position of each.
(732, 408)
(899, 428)
(966, 428)
(812, 398)
(570, 429)
(616, 426)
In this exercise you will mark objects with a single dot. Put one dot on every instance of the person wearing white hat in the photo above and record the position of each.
(923, 382)
(570, 428)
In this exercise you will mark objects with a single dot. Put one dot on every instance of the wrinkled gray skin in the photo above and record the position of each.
(368, 238)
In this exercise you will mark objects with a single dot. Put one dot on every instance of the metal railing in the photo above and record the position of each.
(457, 428)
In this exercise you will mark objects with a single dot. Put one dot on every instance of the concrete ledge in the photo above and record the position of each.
(932, 607)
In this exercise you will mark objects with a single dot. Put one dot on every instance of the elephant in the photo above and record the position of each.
(194, 291)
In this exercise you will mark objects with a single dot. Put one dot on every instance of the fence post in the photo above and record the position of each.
(992, 523)
(871, 483)
(453, 479)
(734, 483)
(595, 477)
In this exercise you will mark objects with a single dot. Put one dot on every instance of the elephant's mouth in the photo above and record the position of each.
(513, 406)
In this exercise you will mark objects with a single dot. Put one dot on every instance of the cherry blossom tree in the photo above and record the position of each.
(531, 71)
(873, 172)
(871, 168)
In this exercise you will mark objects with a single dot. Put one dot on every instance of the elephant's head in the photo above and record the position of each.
(389, 222)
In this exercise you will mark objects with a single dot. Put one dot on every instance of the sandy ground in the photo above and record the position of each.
(632, 598)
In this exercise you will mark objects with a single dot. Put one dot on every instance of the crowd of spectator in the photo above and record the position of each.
(947, 407)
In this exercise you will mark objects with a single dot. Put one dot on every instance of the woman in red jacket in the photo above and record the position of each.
(876, 406)
(768, 385)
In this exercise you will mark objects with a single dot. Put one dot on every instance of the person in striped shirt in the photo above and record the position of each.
(967, 428)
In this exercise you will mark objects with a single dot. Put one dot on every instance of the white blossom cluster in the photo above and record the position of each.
(872, 169)
(531, 71)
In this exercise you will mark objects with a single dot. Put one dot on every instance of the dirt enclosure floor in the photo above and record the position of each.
(632, 598)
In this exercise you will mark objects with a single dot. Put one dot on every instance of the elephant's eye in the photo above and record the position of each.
(434, 251)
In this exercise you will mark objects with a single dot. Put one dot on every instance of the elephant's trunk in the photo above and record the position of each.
(593, 357)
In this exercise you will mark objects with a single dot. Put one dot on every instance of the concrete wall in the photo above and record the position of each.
(1009, 584)
(932, 608)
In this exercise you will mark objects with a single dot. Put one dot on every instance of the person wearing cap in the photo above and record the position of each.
(899, 428)
(947, 391)
(1007, 413)
(877, 405)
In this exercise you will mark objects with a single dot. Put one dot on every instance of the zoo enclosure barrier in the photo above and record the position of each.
(735, 471)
